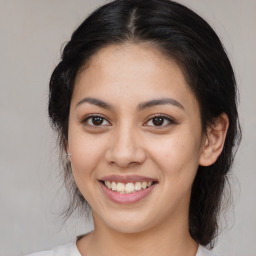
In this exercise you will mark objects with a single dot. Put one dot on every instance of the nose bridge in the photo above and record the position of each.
(126, 146)
(125, 138)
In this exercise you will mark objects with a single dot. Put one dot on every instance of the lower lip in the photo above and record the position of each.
(126, 198)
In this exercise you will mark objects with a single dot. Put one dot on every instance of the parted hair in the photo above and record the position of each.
(183, 36)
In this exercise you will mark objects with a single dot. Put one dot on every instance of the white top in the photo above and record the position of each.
(70, 249)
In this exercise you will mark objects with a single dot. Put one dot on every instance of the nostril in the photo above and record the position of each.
(125, 155)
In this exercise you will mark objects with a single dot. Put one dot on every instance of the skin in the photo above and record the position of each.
(129, 143)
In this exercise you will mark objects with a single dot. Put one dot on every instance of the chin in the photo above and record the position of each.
(131, 223)
(128, 223)
(128, 227)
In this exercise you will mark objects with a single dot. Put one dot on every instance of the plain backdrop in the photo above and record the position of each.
(31, 35)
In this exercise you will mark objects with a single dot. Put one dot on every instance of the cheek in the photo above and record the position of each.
(86, 154)
(176, 155)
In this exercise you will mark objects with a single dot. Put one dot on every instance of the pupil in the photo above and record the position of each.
(97, 120)
(158, 121)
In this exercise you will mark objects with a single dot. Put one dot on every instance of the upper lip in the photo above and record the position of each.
(127, 178)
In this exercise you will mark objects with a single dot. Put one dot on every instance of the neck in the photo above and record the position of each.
(164, 240)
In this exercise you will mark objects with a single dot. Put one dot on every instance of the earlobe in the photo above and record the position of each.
(215, 139)
(68, 155)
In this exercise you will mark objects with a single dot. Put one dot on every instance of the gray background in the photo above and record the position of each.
(31, 34)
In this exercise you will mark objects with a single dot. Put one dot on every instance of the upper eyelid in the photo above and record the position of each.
(93, 115)
(147, 120)
(159, 115)
(85, 118)
(171, 120)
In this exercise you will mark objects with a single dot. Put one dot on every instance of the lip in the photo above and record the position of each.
(126, 179)
(126, 198)
(122, 198)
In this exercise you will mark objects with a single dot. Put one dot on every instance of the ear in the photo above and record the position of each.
(67, 150)
(214, 141)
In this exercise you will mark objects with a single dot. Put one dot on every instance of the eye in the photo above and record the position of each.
(95, 120)
(160, 121)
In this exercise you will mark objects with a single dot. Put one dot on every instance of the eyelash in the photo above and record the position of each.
(85, 120)
(170, 120)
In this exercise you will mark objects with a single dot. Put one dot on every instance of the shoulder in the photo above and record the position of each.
(69, 249)
(202, 251)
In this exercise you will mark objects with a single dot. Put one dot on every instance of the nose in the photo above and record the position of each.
(125, 149)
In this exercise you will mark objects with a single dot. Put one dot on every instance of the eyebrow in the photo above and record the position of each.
(94, 101)
(141, 106)
(162, 101)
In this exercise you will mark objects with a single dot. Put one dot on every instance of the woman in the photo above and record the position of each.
(144, 103)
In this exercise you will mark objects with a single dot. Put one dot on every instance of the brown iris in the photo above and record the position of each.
(157, 121)
(97, 120)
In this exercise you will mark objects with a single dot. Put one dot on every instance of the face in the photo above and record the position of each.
(135, 138)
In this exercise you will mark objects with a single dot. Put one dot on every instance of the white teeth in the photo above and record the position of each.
(108, 184)
(113, 186)
(144, 184)
(138, 186)
(128, 188)
(120, 187)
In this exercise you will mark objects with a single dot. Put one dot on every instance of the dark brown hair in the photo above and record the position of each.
(183, 36)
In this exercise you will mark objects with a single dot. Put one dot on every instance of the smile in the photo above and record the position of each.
(127, 188)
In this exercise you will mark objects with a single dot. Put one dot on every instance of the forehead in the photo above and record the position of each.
(132, 71)
(144, 56)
